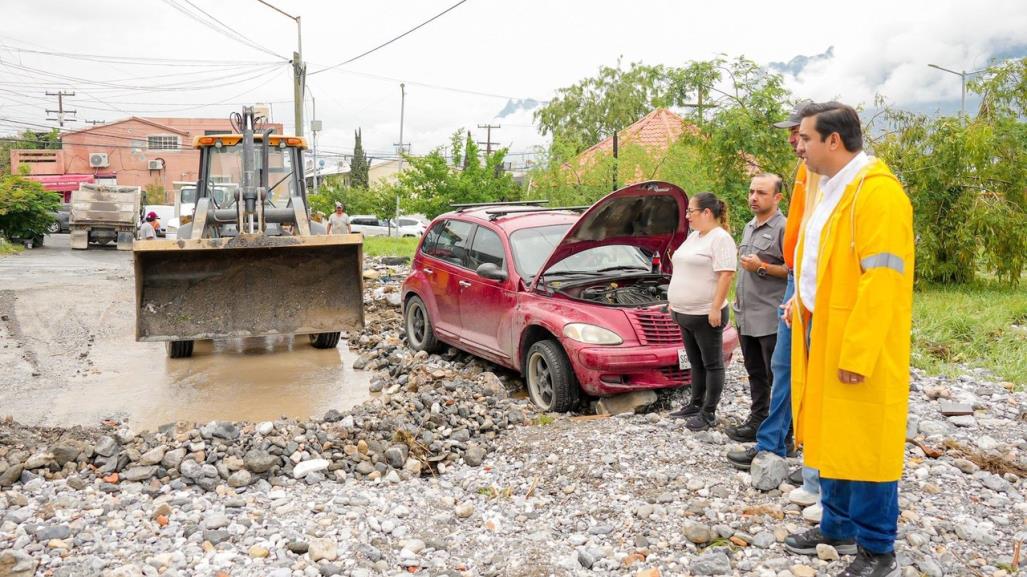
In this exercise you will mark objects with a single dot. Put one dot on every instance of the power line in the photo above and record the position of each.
(233, 35)
(139, 60)
(386, 43)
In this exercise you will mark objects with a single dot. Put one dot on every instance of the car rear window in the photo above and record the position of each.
(448, 241)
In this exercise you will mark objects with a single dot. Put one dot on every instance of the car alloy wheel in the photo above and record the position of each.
(420, 334)
(551, 382)
(54, 227)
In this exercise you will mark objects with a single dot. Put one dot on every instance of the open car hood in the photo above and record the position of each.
(649, 215)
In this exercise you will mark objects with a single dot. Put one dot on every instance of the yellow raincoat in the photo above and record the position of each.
(861, 323)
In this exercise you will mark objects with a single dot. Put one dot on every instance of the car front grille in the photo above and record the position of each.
(675, 374)
(655, 327)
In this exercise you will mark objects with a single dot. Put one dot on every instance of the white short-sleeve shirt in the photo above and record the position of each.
(696, 264)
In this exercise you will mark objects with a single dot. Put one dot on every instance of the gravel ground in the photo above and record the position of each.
(445, 473)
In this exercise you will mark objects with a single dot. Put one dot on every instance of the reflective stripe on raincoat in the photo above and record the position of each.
(861, 323)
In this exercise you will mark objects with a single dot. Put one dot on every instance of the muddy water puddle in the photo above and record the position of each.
(252, 379)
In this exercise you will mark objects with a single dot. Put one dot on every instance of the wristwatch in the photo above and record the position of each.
(762, 271)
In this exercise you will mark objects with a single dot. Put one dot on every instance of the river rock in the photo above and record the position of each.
(768, 471)
(712, 563)
(304, 468)
(259, 461)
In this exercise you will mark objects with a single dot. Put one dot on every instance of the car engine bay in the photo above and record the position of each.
(641, 290)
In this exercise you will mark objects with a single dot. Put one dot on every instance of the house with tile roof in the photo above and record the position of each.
(655, 132)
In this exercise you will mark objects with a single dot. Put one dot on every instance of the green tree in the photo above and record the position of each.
(591, 110)
(967, 181)
(358, 166)
(154, 193)
(26, 208)
(430, 185)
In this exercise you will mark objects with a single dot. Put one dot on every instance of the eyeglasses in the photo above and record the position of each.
(691, 210)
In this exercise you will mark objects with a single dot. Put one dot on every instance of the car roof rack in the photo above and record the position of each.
(494, 214)
(465, 206)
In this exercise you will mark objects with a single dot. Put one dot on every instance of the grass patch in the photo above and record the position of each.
(7, 248)
(390, 246)
(982, 325)
(545, 419)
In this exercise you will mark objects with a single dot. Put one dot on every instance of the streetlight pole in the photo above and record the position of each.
(962, 80)
(299, 69)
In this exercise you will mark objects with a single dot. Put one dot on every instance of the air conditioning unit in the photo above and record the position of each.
(156, 164)
(99, 160)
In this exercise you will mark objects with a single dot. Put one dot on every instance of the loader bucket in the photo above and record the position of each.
(248, 286)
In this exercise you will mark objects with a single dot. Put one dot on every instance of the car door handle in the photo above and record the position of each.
(428, 270)
(464, 283)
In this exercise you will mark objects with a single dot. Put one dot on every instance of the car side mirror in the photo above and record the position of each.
(491, 271)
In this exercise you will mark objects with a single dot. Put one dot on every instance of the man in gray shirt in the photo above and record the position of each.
(759, 290)
(338, 223)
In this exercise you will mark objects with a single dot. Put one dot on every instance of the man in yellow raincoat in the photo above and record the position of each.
(853, 310)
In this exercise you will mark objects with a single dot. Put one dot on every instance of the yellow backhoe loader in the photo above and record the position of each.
(250, 262)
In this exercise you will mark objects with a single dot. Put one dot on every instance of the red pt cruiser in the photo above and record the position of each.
(570, 300)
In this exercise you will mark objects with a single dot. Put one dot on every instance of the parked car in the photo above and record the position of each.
(409, 226)
(570, 300)
(371, 225)
(61, 220)
(166, 214)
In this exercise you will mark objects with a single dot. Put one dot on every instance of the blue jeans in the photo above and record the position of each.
(866, 511)
(773, 432)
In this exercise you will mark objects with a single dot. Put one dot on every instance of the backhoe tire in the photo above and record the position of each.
(179, 349)
(552, 385)
(417, 325)
(325, 340)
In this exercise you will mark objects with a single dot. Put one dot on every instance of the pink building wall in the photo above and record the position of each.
(129, 148)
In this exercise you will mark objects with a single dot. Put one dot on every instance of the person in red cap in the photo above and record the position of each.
(148, 229)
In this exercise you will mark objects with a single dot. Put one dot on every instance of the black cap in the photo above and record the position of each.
(795, 117)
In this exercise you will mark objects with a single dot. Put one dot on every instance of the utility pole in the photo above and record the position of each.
(402, 145)
(615, 147)
(699, 105)
(95, 122)
(315, 127)
(299, 69)
(402, 111)
(60, 112)
(488, 138)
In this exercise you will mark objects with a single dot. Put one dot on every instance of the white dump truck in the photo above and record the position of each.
(102, 213)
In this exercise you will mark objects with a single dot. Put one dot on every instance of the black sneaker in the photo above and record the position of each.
(700, 423)
(806, 543)
(744, 433)
(795, 477)
(686, 411)
(742, 459)
(867, 564)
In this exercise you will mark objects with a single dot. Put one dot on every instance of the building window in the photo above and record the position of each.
(216, 132)
(162, 142)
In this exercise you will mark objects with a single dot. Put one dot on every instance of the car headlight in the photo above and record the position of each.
(591, 334)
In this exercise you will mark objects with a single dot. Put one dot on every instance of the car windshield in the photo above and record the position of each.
(532, 246)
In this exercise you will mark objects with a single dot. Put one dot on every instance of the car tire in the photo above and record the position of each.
(179, 349)
(325, 340)
(53, 228)
(552, 385)
(418, 328)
